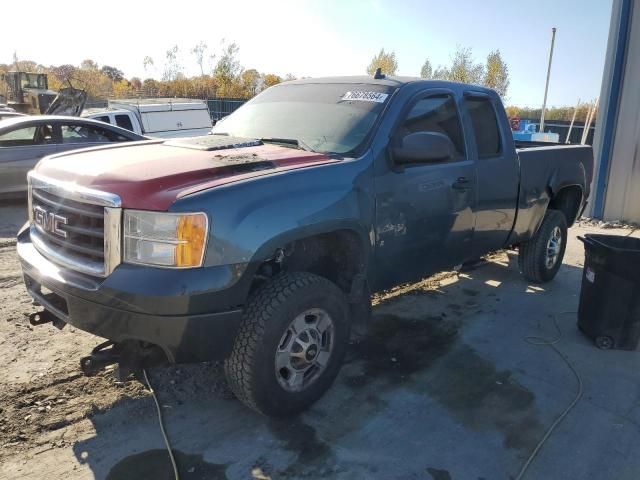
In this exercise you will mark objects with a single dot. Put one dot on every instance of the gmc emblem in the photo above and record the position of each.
(49, 221)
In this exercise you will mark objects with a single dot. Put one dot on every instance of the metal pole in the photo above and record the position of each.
(546, 87)
(573, 119)
(588, 125)
(586, 119)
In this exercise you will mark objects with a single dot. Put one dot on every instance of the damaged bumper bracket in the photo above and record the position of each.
(129, 357)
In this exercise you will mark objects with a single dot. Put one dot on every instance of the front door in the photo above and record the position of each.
(425, 210)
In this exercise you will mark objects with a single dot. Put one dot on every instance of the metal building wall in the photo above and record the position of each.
(616, 192)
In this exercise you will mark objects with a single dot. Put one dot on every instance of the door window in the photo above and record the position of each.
(436, 114)
(485, 127)
(123, 121)
(28, 136)
(104, 119)
(78, 133)
(19, 137)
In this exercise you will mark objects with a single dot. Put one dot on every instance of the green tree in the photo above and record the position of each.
(427, 70)
(251, 82)
(147, 63)
(171, 67)
(463, 68)
(496, 74)
(270, 79)
(228, 67)
(112, 72)
(385, 61)
(64, 73)
(89, 64)
(199, 52)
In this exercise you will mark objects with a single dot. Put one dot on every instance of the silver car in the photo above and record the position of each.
(25, 140)
(4, 114)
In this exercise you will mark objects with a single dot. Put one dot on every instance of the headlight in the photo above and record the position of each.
(174, 240)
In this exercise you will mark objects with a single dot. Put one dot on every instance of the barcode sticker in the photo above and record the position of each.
(365, 96)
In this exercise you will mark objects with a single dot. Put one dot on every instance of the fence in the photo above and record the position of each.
(221, 107)
(218, 107)
(561, 127)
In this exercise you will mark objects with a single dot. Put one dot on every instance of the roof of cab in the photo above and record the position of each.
(388, 80)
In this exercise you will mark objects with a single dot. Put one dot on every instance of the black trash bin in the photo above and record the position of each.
(609, 311)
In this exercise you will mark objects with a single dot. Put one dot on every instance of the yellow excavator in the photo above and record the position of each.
(27, 92)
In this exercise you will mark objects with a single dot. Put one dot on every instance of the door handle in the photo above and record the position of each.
(461, 183)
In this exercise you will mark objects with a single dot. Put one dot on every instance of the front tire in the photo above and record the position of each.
(540, 258)
(291, 343)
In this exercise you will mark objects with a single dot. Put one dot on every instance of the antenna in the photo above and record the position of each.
(379, 75)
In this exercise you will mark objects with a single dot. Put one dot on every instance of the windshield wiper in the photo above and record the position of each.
(293, 142)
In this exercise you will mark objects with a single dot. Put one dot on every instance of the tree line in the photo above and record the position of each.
(221, 75)
(493, 73)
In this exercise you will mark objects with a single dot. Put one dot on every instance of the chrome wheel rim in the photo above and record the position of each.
(304, 350)
(553, 248)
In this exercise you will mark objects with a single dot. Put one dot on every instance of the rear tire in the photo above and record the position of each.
(540, 258)
(604, 342)
(291, 343)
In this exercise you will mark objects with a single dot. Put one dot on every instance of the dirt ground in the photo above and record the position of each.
(443, 387)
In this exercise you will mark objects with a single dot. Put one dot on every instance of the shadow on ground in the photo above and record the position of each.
(420, 395)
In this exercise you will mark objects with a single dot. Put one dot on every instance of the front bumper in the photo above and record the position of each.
(192, 315)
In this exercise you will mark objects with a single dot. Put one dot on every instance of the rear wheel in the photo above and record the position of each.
(540, 258)
(604, 342)
(291, 344)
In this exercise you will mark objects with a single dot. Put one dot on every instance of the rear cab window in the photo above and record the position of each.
(484, 122)
(123, 121)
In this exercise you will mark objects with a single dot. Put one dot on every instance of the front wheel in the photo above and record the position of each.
(290, 345)
(540, 258)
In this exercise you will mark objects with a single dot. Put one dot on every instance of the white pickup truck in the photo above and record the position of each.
(157, 117)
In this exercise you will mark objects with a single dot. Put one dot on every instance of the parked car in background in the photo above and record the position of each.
(157, 117)
(24, 140)
(10, 114)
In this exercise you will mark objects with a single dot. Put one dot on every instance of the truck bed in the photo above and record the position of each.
(555, 166)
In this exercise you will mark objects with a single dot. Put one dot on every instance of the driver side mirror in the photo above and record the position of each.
(423, 147)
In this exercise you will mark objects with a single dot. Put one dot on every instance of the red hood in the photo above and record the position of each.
(151, 176)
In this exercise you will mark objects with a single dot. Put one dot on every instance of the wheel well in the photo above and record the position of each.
(337, 256)
(567, 200)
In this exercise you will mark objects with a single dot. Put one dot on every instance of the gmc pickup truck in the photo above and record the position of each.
(261, 243)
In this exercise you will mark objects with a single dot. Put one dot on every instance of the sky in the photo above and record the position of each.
(330, 37)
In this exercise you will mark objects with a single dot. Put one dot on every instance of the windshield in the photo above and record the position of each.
(326, 118)
(33, 80)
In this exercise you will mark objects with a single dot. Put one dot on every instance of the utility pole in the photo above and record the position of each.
(546, 87)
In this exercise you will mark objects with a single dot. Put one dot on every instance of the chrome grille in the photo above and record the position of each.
(74, 226)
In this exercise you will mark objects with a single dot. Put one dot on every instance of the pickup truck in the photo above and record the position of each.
(261, 244)
(156, 117)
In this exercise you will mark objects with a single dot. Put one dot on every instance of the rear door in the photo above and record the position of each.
(497, 170)
(20, 149)
(424, 211)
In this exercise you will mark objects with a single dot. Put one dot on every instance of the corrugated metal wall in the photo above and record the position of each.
(616, 192)
(622, 199)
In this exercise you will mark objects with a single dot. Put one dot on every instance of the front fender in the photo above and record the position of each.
(250, 219)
